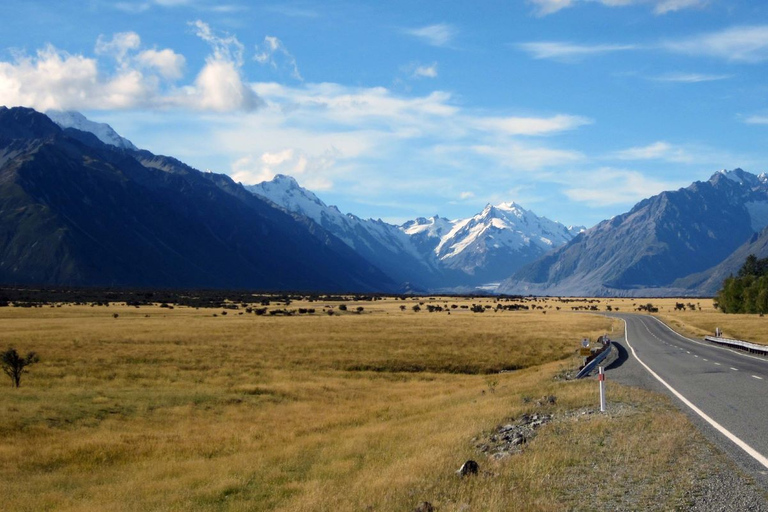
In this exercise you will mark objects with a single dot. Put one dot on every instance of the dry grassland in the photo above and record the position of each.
(179, 409)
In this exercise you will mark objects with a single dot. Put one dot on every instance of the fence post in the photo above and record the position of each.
(601, 379)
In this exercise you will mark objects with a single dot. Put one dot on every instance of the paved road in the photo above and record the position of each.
(728, 387)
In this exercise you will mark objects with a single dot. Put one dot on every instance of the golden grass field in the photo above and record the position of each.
(178, 409)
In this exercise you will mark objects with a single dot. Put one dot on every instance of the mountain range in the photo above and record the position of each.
(434, 254)
(675, 243)
(76, 211)
(81, 205)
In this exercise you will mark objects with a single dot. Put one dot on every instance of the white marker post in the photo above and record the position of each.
(601, 379)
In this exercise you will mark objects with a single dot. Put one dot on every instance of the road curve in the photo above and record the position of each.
(724, 391)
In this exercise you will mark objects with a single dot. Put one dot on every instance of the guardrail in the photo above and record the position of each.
(741, 345)
(594, 362)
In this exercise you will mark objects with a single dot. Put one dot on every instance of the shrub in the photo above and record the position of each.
(14, 365)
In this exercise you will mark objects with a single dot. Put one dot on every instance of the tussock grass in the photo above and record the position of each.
(179, 410)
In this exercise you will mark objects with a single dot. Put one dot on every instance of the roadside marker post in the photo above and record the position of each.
(601, 380)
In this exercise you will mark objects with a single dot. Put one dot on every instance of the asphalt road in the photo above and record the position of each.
(729, 387)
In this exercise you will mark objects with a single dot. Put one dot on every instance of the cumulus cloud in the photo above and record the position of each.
(55, 79)
(167, 63)
(220, 85)
(119, 46)
(440, 34)
(274, 53)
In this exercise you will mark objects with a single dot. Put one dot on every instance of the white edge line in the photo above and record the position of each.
(741, 444)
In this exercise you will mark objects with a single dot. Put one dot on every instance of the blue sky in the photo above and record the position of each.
(575, 109)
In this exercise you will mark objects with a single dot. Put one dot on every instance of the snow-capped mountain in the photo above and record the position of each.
(76, 120)
(383, 244)
(491, 244)
(432, 253)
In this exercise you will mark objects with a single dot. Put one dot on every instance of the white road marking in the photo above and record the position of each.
(734, 369)
(705, 359)
(718, 364)
(757, 377)
(741, 444)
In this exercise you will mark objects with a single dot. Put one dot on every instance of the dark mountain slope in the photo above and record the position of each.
(662, 239)
(75, 211)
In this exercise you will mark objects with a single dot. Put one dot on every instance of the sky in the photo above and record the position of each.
(574, 109)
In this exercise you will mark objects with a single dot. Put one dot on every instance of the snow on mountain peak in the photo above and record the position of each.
(285, 191)
(104, 132)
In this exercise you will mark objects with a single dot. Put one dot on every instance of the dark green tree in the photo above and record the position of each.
(15, 365)
(747, 292)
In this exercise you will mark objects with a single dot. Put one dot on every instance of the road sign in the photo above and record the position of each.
(585, 343)
(586, 352)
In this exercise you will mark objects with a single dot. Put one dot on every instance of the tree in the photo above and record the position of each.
(14, 365)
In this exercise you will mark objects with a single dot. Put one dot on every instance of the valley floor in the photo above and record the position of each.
(369, 406)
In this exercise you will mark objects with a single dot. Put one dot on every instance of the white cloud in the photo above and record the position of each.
(657, 151)
(570, 51)
(440, 34)
(609, 187)
(532, 125)
(665, 6)
(220, 85)
(739, 44)
(119, 46)
(169, 64)
(55, 79)
(521, 157)
(425, 71)
(689, 78)
(466, 195)
(756, 119)
(370, 142)
(547, 7)
(310, 171)
(272, 47)
(225, 48)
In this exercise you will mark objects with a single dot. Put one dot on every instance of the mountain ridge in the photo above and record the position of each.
(434, 253)
(77, 212)
(660, 241)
